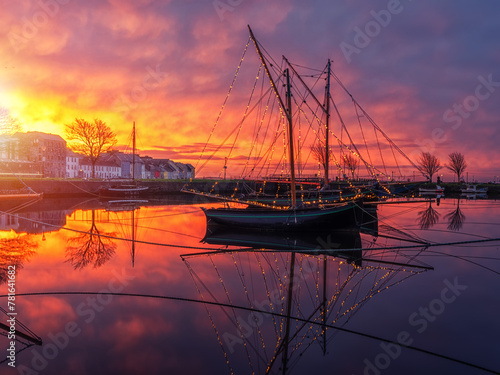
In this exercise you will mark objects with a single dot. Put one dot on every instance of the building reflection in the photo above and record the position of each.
(33, 221)
(95, 245)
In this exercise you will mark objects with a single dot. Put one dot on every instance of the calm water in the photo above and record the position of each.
(441, 299)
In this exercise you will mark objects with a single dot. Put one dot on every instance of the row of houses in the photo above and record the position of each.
(47, 155)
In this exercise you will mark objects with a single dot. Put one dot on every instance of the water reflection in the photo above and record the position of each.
(90, 247)
(345, 244)
(275, 306)
(428, 217)
(279, 294)
(15, 250)
(286, 304)
(456, 218)
(127, 218)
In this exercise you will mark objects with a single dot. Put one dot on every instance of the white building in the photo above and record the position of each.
(73, 164)
(103, 169)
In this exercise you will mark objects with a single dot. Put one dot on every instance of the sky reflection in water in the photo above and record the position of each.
(107, 334)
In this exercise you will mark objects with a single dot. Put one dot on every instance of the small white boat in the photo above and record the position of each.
(437, 190)
(473, 189)
(125, 190)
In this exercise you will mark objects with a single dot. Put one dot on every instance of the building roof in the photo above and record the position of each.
(183, 167)
(169, 168)
(125, 157)
(49, 136)
(72, 154)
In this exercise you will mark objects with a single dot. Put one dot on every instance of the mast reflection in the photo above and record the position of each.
(282, 294)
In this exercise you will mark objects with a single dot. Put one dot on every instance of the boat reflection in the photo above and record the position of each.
(345, 244)
(269, 306)
(475, 196)
(280, 293)
(126, 210)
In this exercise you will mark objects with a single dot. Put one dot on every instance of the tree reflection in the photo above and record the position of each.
(14, 252)
(455, 218)
(90, 247)
(428, 217)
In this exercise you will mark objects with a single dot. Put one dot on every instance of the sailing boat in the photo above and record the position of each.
(129, 189)
(294, 216)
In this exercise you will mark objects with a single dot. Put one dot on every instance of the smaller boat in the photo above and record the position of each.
(473, 189)
(25, 193)
(13, 196)
(128, 189)
(437, 190)
(123, 190)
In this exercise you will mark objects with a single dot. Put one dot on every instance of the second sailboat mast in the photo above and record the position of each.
(290, 138)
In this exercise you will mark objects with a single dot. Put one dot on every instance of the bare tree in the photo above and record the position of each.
(457, 164)
(91, 139)
(319, 153)
(429, 164)
(351, 162)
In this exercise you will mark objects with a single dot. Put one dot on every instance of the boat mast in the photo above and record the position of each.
(327, 123)
(324, 106)
(286, 109)
(290, 137)
(133, 152)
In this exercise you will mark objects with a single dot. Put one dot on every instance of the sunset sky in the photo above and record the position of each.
(427, 72)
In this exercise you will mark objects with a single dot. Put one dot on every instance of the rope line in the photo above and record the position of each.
(219, 304)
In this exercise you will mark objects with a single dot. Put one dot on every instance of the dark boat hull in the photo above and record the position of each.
(340, 216)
